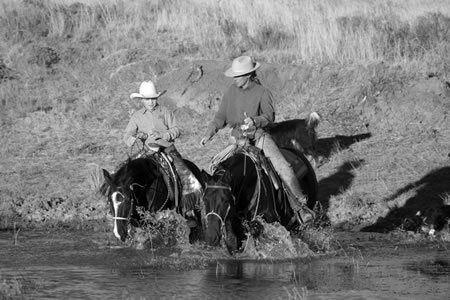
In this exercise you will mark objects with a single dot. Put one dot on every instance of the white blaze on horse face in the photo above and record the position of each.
(115, 204)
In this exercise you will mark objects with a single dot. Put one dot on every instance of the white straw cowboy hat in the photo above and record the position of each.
(147, 90)
(241, 66)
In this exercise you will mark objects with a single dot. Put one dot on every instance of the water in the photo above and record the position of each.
(76, 266)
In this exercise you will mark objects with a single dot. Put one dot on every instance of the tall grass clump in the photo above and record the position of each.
(84, 21)
(10, 288)
(344, 31)
(30, 19)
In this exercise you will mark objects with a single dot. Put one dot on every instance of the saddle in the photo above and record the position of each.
(169, 174)
(262, 165)
(261, 162)
(166, 167)
(255, 154)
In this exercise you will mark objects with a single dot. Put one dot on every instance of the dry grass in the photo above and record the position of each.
(282, 31)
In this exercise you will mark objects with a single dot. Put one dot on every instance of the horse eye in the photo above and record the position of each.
(117, 197)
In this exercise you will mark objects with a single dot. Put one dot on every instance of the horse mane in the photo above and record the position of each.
(126, 173)
(236, 162)
(221, 169)
(104, 189)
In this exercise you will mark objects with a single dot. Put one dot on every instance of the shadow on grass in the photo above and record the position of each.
(337, 182)
(431, 190)
(326, 146)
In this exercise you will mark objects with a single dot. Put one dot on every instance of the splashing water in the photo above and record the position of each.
(162, 229)
(274, 242)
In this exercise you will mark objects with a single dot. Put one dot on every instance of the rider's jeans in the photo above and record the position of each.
(281, 165)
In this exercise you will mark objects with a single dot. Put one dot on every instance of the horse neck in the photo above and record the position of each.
(242, 178)
(138, 175)
(257, 193)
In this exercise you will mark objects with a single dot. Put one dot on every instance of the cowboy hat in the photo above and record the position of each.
(147, 90)
(241, 66)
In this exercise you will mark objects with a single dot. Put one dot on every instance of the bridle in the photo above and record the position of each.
(133, 200)
(213, 213)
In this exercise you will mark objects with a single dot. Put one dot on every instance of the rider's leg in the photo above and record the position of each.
(284, 169)
(191, 187)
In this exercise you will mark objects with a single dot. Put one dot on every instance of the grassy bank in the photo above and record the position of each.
(377, 71)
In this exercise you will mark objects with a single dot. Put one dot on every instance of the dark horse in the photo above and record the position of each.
(141, 182)
(239, 191)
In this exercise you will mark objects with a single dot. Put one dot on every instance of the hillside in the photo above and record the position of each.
(384, 139)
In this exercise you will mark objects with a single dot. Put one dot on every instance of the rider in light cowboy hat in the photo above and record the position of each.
(248, 105)
(155, 124)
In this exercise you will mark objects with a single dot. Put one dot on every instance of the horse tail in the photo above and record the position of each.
(313, 120)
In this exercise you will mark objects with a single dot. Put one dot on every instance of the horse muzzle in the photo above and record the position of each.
(121, 229)
(213, 239)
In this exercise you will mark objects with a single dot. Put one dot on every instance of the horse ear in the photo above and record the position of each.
(107, 176)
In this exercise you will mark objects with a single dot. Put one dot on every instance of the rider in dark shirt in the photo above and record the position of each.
(248, 105)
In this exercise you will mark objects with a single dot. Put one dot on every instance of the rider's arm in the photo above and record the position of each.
(219, 121)
(130, 132)
(220, 118)
(173, 131)
(267, 113)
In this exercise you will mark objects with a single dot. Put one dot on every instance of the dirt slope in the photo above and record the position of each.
(384, 137)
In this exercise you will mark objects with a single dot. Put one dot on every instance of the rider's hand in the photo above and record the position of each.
(248, 121)
(156, 135)
(249, 131)
(142, 136)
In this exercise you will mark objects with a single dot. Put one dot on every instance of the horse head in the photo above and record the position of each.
(126, 189)
(121, 202)
(217, 198)
(144, 183)
(220, 211)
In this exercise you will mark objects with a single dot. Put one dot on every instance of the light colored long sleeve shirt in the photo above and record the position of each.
(160, 119)
(256, 101)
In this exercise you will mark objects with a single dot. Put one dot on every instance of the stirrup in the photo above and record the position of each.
(303, 213)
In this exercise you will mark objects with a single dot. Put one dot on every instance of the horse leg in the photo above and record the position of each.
(231, 241)
(196, 232)
(235, 235)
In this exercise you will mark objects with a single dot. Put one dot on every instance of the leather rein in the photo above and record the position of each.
(133, 200)
(213, 213)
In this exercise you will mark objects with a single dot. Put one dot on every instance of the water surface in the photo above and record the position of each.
(75, 265)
